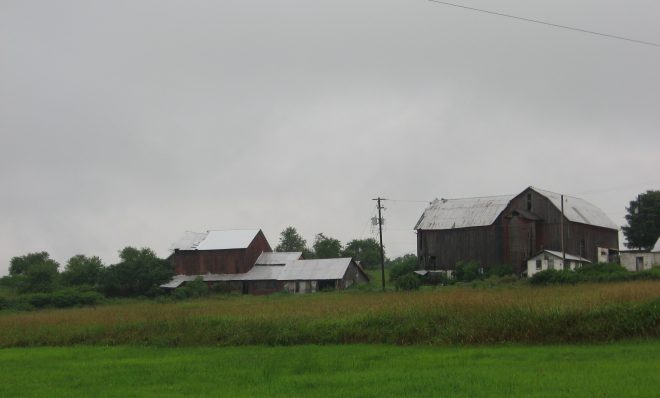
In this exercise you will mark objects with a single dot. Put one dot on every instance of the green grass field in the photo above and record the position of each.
(618, 370)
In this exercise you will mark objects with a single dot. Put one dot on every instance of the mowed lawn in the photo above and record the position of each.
(617, 370)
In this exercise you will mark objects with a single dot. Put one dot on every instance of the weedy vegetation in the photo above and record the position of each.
(461, 314)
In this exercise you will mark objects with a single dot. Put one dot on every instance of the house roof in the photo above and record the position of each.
(216, 240)
(463, 213)
(579, 210)
(476, 212)
(277, 258)
(656, 248)
(559, 255)
(317, 269)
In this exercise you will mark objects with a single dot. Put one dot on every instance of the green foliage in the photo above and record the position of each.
(326, 247)
(291, 241)
(643, 219)
(467, 271)
(366, 251)
(82, 270)
(500, 270)
(601, 272)
(195, 288)
(140, 272)
(34, 272)
(554, 276)
(59, 299)
(408, 281)
(402, 265)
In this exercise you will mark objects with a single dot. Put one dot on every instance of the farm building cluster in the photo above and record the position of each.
(526, 231)
(243, 261)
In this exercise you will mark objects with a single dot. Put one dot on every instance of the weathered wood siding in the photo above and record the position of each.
(229, 261)
(529, 224)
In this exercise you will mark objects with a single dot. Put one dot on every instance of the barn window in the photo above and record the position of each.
(551, 263)
(538, 265)
(529, 202)
(432, 262)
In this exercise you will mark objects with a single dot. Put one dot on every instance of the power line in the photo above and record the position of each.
(648, 43)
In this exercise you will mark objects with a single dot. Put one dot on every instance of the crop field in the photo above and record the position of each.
(585, 313)
(616, 370)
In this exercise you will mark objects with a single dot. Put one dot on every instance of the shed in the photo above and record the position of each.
(550, 259)
(640, 260)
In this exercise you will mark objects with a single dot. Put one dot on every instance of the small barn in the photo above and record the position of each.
(304, 276)
(640, 260)
(218, 251)
(549, 259)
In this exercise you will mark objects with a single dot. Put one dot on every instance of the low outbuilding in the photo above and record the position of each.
(550, 259)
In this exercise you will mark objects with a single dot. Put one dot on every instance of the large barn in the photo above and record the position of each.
(242, 261)
(510, 229)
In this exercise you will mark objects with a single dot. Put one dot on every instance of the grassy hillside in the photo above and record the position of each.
(618, 370)
(456, 315)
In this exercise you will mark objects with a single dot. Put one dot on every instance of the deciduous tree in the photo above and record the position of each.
(643, 218)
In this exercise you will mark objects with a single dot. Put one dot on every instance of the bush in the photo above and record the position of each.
(501, 270)
(467, 271)
(553, 276)
(407, 282)
(196, 288)
(60, 299)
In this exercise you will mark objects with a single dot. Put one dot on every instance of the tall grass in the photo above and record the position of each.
(457, 315)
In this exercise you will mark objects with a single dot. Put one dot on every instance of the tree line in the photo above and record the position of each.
(366, 251)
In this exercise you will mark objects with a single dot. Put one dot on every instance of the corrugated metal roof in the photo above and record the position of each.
(216, 240)
(568, 256)
(462, 213)
(656, 248)
(178, 280)
(277, 258)
(230, 239)
(579, 210)
(189, 241)
(318, 269)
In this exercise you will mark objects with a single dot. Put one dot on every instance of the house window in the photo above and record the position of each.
(539, 263)
(551, 263)
(529, 202)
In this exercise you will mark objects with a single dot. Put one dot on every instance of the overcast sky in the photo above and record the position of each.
(129, 122)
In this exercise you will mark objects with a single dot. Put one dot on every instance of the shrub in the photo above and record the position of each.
(196, 288)
(500, 270)
(407, 282)
(553, 276)
(467, 271)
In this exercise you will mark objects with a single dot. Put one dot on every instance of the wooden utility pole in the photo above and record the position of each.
(563, 252)
(380, 233)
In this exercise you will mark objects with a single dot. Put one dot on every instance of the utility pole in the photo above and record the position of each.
(563, 252)
(380, 232)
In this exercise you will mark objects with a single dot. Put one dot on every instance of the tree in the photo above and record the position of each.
(291, 241)
(402, 265)
(326, 247)
(140, 272)
(643, 219)
(366, 251)
(82, 270)
(34, 272)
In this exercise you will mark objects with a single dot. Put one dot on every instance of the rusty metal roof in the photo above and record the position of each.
(462, 213)
(579, 210)
(277, 258)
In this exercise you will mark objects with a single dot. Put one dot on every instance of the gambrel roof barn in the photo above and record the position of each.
(509, 229)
